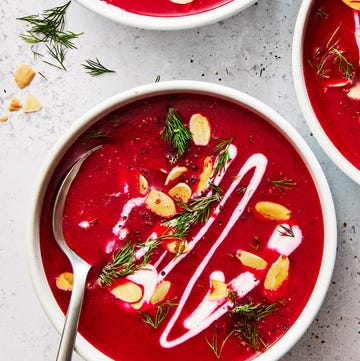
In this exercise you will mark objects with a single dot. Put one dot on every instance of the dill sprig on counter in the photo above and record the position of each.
(49, 29)
(95, 68)
(176, 132)
(223, 156)
(124, 262)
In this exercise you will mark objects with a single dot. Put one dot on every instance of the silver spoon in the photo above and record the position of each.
(80, 267)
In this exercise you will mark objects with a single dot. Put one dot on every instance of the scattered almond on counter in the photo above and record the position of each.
(277, 274)
(65, 281)
(273, 211)
(24, 76)
(14, 105)
(31, 104)
(4, 119)
(251, 260)
(200, 129)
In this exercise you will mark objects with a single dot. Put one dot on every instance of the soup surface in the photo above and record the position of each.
(203, 226)
(331, 64)
(167, 8)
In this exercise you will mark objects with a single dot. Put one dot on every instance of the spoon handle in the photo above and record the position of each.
(68, 336)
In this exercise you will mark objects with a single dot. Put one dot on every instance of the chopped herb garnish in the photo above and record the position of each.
(241, 189)
(95, 68)
(161, 313)
(255, 243)
(282, 184)
(287, 231)
(322, 13)
(223, 156)
(214, 344)
(124, 262)
(49, 29)
(176, 132)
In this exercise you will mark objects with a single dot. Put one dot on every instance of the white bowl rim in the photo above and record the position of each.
(303, 98)
(166, 23)
(288, 340)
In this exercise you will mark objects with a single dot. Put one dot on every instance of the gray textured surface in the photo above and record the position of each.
(251, 52)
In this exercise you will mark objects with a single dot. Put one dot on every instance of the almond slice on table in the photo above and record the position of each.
(176, 172)
(205, 175)
(143, 184)
(219, 290)
(251, 260)
(4, 119)
(14, 105)
(160, 292)
(31, 104)
(24, 76)
(277, 274)
(273, 211)
(354, 92)
(128, 292)
(200, 129)
(65, 281)
(160, 203)
(181, 191)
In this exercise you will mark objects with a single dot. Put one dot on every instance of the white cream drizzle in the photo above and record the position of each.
(282, 243)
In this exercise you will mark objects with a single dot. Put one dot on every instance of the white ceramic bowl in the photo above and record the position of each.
(166, 23)
(310, 310)
(303, 98)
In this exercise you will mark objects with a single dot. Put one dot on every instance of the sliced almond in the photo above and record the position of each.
(200, 129)
(219, 290)
(4, 119)
(354, 92)
(273, 211)
(354, 4)
(31, 104)
(249, 259)
(177, 246)
(23, 76)
(176, 172)
(128, 292)
(143, 184)
(160, 203)
(181, 191)
(65, 281)
(160, 292)
(14, 105)
(277, 274)
(205, 175)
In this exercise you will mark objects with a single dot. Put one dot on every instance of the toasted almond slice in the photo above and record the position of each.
(23, 76)
(181, 2)
(160, 203)
(277, 274)
(143, 184)
(176, 172)
(251, 260)
(31, 104)
(160, 292)
(354, 92)
(181, 191)
(200, 129)
(4, 119)
(219, 290)
(205, 175)
(273, 211)
(65, 281)
(177, 246)
(128, 292)
(14, 105)
(354, 4)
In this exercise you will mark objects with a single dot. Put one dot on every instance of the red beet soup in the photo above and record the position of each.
(331, 66)
(203, 226)
(167, 8)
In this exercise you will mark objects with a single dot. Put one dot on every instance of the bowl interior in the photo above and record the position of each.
(43, 257)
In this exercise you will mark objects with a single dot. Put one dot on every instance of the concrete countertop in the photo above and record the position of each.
(250, 52)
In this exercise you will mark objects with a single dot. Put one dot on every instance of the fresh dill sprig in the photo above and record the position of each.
(249, 335)
(176, 132)
(124, 262)
(95, 68)
(255, 243)
(282, 185)
(161, 313)
(287, 231)
(253, 311)
(214, 344)
(49, 29)
(223, 156)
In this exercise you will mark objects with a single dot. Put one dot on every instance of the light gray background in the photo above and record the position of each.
(250, 52)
